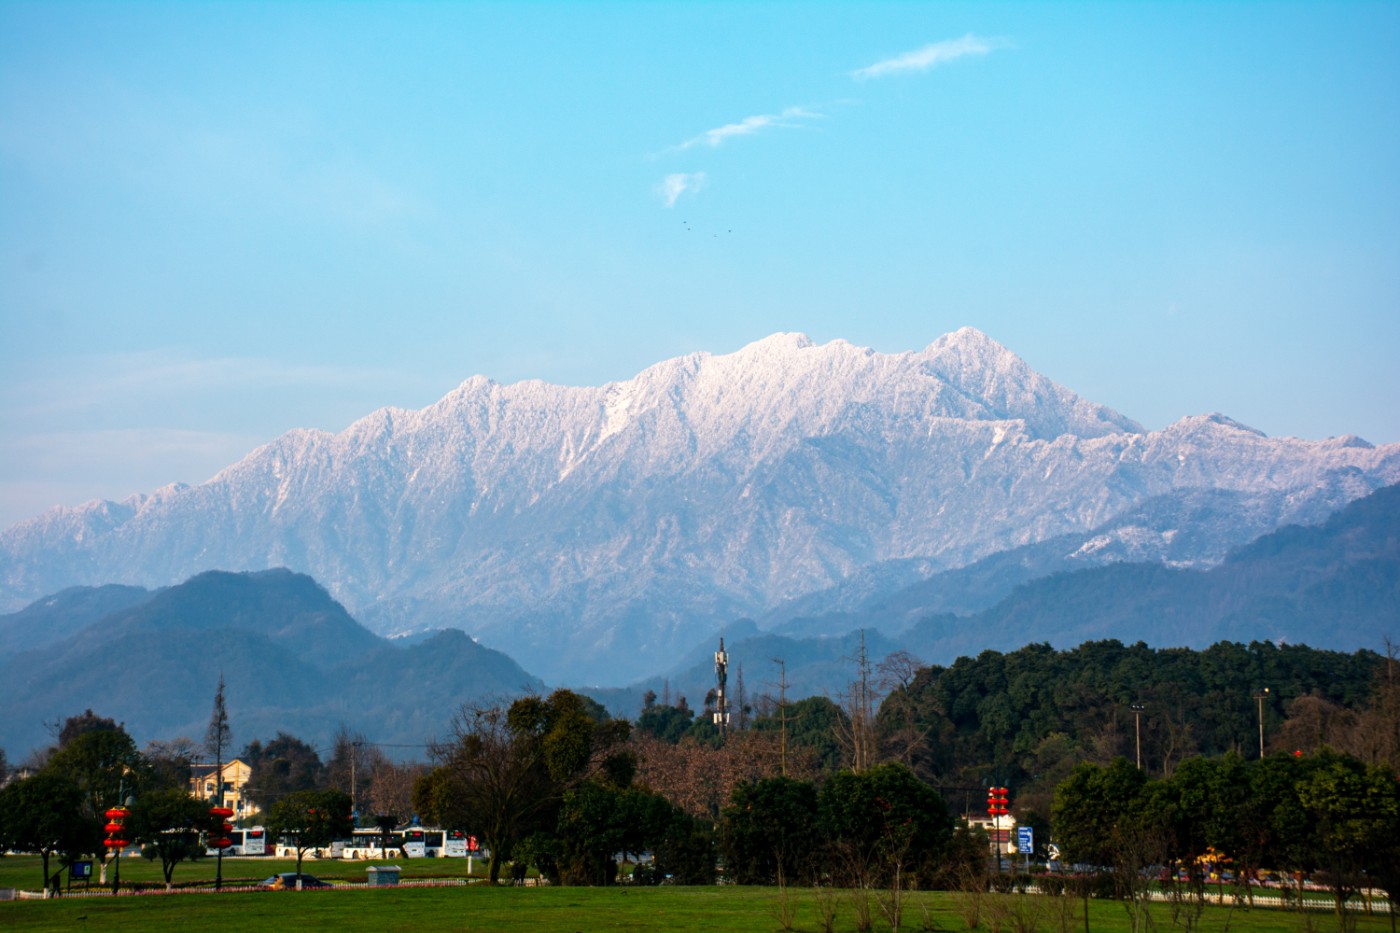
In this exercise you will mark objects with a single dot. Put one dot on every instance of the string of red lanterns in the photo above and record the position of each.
(116, 828)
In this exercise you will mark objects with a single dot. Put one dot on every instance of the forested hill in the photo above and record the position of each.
(1024, 719)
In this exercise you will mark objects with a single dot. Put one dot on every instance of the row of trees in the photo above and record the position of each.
(553, 782)
(58, 807)
(1328, 814)
(95, 766)
(285, 765)
(550, 781)
(1025, 719)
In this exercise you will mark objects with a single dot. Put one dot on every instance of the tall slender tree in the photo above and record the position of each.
(216, 740)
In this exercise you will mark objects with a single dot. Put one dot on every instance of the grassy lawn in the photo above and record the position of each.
(488, 910)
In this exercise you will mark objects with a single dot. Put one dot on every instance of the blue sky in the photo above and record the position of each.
(222, 221)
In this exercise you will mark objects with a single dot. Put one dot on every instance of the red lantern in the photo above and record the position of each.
(221, 840)
(116, 818)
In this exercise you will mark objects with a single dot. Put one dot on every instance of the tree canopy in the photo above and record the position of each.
(172, 826)
(310, 819)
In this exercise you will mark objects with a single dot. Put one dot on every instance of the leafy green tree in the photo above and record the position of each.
(571, 734)
(813, 723)
(105, 765)
(169, 824)
(310, 819)
(769, 833)
(89, 721)
(488, 784)
(506, 771)
(1095, 809)
(668, 723)
(597, 821)
(1355, 814)
(882, 823)
(46, 813)
(107, 769)
(686, 852)
(1273, 826)
(283, 766)
(170, 762)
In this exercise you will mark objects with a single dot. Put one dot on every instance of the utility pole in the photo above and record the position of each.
(354, 754)
(1137, 725)
(1260, 695)
(782, 715)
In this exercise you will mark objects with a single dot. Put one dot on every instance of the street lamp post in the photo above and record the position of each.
(1137, 727)
(1259, 696)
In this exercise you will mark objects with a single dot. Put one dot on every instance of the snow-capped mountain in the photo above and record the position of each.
(590, 531)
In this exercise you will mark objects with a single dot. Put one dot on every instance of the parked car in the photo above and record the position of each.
(287, 880)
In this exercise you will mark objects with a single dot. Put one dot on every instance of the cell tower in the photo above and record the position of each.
(721, 715)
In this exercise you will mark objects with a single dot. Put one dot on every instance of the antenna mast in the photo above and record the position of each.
(721, 715)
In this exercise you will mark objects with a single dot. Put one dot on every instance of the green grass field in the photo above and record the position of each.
(488, 909)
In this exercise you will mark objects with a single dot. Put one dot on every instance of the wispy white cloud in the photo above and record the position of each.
(790, 118)
(677, 184)
(930, 56)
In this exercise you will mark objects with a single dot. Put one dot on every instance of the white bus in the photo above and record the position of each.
(368, 843)
(243, 842)
(454, 844)
(444, 843)
(413, 842)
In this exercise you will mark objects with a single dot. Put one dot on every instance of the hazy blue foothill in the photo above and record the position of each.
(291, 657)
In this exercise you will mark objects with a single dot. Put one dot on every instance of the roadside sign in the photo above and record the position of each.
(80, 870)
(1025, 840)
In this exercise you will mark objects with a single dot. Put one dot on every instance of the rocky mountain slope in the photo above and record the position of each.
(1335, 586)
(594, 531)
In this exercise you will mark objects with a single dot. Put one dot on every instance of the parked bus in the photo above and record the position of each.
(444, 843)
(244, 842)
(413, 842)
(454, 844)
(366, 843)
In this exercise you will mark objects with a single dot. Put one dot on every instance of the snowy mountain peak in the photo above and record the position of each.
(1211, 422)
(778, 344)
(561, 523)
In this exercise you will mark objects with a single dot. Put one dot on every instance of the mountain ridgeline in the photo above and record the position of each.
(601, 531)
(291, 657)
